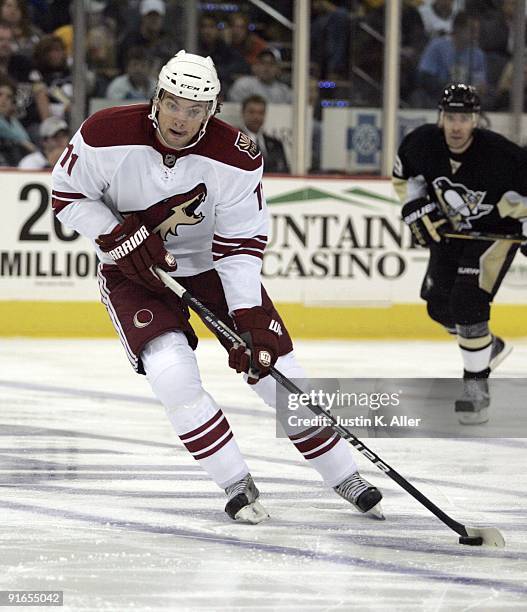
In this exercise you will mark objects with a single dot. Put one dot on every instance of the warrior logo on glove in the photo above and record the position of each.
(129, 244)
(136, 252)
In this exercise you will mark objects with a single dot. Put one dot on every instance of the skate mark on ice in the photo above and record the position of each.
(289, 551)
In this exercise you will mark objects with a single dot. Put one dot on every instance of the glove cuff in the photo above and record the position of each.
(250, 318)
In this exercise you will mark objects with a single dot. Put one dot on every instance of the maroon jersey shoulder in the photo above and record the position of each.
(118, 126)
(228, 145)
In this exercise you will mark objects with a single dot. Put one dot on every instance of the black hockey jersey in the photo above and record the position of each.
(485, 187)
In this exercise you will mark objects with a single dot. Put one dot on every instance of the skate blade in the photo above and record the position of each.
(494, 363)
(252, 513)
(376, 512)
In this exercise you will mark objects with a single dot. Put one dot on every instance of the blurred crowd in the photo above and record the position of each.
(128, 40)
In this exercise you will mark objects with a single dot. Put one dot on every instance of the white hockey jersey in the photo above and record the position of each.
(206, 202)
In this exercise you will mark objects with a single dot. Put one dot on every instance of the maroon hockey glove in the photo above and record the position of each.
(260, 351)
(425, 220)
(135, 250)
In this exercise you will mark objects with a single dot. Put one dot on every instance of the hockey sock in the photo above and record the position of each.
(173, 374)
(326, 451)
(475, 342)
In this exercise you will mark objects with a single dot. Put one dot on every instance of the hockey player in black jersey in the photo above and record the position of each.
(456, 177)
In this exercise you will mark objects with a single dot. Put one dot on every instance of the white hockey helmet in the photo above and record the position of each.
(188, 76)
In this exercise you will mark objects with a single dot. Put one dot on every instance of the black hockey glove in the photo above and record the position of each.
(425, 219)
(135, 250)
(260, 333)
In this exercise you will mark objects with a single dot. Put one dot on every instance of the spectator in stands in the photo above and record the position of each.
(253, 116)
(438, 17)
(49, 15)
(50, 59)
(265, 81)
(94, 11)
(136, 83)
(504, 88)
(330, 39)
(229, 62)
(454, 58)
(32, 101)
(101, 57)
(248, 44)
(14, 140)
(54, 138)
(369, 51)
(26, 35)
(496, 34)
(158, 44)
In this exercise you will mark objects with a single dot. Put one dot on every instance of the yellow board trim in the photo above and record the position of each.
(402, 321)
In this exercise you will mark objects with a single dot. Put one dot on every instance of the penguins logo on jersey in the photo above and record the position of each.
(166, 216)
(246, 145)
(460, 203)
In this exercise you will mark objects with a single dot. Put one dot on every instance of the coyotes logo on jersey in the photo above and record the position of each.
(166, 216)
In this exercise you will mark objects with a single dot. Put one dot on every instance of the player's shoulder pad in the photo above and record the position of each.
(226, 144)
(118, 126)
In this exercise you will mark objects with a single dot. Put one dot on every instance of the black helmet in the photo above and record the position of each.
(460, 98)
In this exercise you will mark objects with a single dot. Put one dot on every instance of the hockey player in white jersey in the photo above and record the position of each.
(170, 185)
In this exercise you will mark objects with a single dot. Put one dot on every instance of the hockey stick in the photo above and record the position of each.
(488, 237)
(475, 536)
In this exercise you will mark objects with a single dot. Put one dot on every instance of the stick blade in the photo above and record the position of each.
(490, 535)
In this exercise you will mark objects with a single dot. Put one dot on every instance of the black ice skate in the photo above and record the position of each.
(243, 504)
(363, 495)
(499, 351)
(471, 409)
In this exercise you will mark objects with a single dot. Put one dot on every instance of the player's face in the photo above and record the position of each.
(180, 119)
(458, 128)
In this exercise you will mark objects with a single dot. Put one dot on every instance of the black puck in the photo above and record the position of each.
(471, 540)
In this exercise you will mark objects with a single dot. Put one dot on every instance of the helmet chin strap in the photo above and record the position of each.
(153, 114)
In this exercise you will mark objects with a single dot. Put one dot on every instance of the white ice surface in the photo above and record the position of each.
(99, 499)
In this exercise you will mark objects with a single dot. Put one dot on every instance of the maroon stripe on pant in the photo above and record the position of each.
(304, 434)
(321, 451)
(195, 432)
(315, 441)
(216, 448)
(209, 438)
